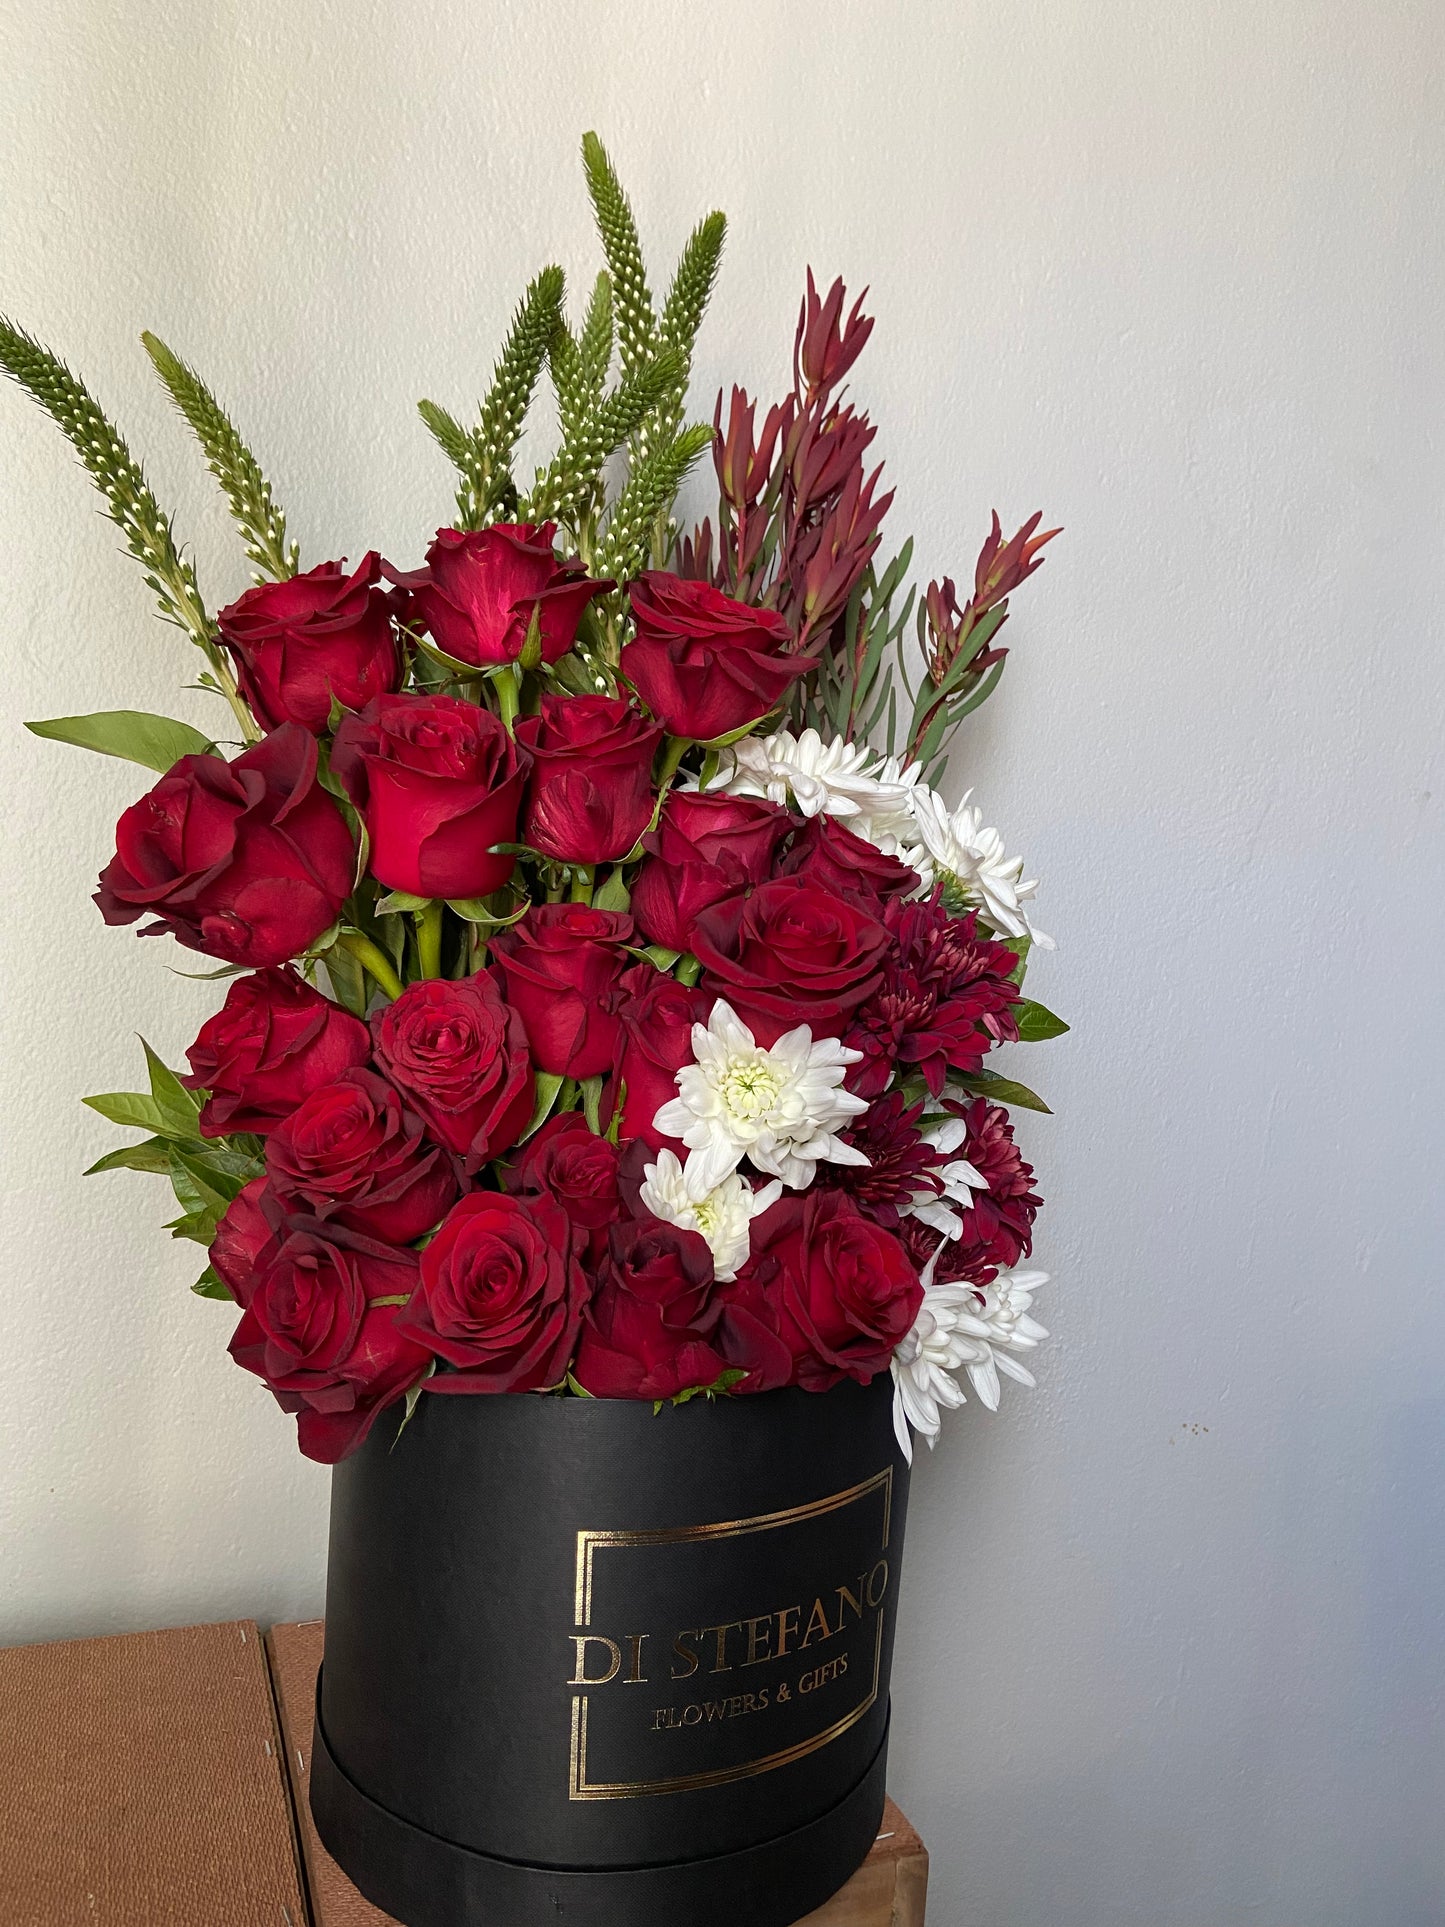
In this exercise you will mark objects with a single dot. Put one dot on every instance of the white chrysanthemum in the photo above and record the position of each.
(818, 778)
(888, 822)
(954, 1333)
(972, 860)
(672, 1192)
(779, 1107)
(959, 1178)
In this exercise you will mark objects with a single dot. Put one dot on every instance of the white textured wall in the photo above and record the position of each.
(1173, 1641)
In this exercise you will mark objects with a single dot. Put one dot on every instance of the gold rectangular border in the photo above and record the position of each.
(589, 1543)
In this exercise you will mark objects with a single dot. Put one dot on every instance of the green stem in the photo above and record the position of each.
(508, 684)
(373, 960)
(429, 938)
(582, 886)
(592, 1104)
(675, 748)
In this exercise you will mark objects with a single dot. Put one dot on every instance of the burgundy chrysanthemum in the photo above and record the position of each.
(900, 1166)
(945, 1000)
(998, 1225)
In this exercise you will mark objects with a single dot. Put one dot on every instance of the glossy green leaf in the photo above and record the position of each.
(1035, 1023)
(151, 1155)
(208, 1285)
(1003, 1090)
(155, 742)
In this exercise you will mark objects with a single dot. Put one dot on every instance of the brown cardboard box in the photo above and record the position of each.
(143, 1784)
(889, 1890)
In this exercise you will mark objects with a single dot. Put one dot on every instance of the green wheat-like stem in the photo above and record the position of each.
(128, 499)
(682, 313)
(648, 496)
(246, 489)
(636, 325)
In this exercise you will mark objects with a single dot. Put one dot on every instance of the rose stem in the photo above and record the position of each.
(373, 960)
(429, 938)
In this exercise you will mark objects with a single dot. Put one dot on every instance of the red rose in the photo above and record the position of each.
(320, 637)
(569, 1163)
(460, 1056)
(655, 1016)
(438, 781)
(845, 1291)
(328, 1351)
(354, 1155)
(648, 1326)
(748, 1334)
(249, 860)
(791, 954)
(704, 848)
(591, 795)
(480, 588)
(704, 664)
(560, 966)
(501, 1295)
(246, 1239)
(830, 855)
(273, 1042)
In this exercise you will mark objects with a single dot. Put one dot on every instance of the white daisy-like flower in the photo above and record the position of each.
(818, 778)
(960, 1180)
(888, 823)
(970, 862)
(672, 1191)
(954, 1333)
(779, 1107)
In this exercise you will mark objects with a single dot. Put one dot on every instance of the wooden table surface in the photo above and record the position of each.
(151, 1783)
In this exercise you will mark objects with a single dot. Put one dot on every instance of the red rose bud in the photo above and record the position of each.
(355, 1155)
(459, 1056)
(789, 954)
(501, 1295)
(647, 1329)
(704, 664)
(590, 795)
(829, 855)
(560, 967)
(655, 1016)
(249, 861)
(566, 1161)
(320, 637)
(438, 781)
(704, 848)
(481, 588)
(326, 1350)
(846, 1292)
(273, 1042)
(246, 1239)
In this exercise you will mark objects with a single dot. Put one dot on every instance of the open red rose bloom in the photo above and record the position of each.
(611, 995)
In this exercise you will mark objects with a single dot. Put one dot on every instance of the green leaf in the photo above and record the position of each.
(215, 1188)
(155, 742)
(661, 956)
(142, 1113)
(397, 901)
(549, 1084)
(170, 1093)
(413, 1398)
(1003, 1090)
(246, 489)
(614, 893)
(1035, 1023)
(577, 1391)
(151, 1155)
(1020, 946)
(474, 910)
(208, 1285)
(720, 1387)
(198, 1226)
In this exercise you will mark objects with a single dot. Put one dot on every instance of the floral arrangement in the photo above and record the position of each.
(611, 989)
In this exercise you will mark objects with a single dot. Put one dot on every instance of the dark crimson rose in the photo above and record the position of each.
(827, 853)
(246, 1239)
(591, 794)
(703, 849)
(501, 1295)
(322, 636)
(748, 1334)
(560, 967)
(273, 1042)
(647, 1331)
(354, 1155)
(319, 1332)
(459, 1056)
(249, 860)
(845, 1290)
(704, 664)
(791, 953)
(481, 587)
(569, 1163)
(655, 1016)
(943, 999)
(438, 781)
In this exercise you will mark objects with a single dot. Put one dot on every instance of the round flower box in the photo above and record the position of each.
(592, 1663)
